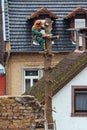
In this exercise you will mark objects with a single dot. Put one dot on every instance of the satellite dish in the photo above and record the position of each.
(2, 69)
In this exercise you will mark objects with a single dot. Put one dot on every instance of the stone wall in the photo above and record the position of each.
(18, 112)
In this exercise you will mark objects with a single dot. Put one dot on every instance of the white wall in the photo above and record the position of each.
(62, 106)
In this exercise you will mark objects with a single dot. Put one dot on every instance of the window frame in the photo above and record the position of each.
(73, 113)
(31, 78)
(76, 22)
(40, 74)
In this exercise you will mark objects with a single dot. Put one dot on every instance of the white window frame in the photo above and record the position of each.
(40, 75)
(79, 23)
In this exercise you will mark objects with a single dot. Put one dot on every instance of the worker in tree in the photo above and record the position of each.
(38, 36)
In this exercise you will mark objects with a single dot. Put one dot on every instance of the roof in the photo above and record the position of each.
(18, 26)
(75, 11)
(61, 74)
(42, 11)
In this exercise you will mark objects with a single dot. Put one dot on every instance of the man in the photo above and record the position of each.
(39, 37)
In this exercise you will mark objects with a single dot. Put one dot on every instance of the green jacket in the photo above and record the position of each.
(36, 32)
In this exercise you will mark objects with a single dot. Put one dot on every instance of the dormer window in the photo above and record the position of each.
(78, 20)
(41, 14)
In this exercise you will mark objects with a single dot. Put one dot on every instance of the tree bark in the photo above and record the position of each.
(47, 76)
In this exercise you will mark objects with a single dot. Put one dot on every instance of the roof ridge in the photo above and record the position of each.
(73, 12)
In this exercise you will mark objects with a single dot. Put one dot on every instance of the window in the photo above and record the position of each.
(31, 76)
(79, 101)
(79, 23)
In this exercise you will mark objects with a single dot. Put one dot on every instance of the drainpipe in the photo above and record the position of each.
(4, 38)
(6, 65)
(3, 29)
(3, 26)
(3, 18)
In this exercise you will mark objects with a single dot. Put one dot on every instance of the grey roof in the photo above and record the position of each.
(18, 26)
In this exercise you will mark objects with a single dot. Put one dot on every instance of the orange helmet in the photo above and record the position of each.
(37, 22)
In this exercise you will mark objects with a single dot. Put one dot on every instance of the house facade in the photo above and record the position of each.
(23, 59)
(70, 104)
(69, 89)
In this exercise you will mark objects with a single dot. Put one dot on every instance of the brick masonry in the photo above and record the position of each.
(18, 112)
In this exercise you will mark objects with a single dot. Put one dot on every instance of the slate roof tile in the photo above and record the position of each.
(19, 27)
(75, 11)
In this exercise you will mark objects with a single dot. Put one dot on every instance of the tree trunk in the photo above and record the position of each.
(47, 77)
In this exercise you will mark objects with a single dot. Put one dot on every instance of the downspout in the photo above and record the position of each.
(4, 3)
(3, 29)
(3, 19)
(6, 66)
(3, 36)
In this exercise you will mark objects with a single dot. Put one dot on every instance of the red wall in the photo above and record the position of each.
(2, 85)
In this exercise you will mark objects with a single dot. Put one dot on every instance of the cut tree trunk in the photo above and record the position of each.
(47, 68)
